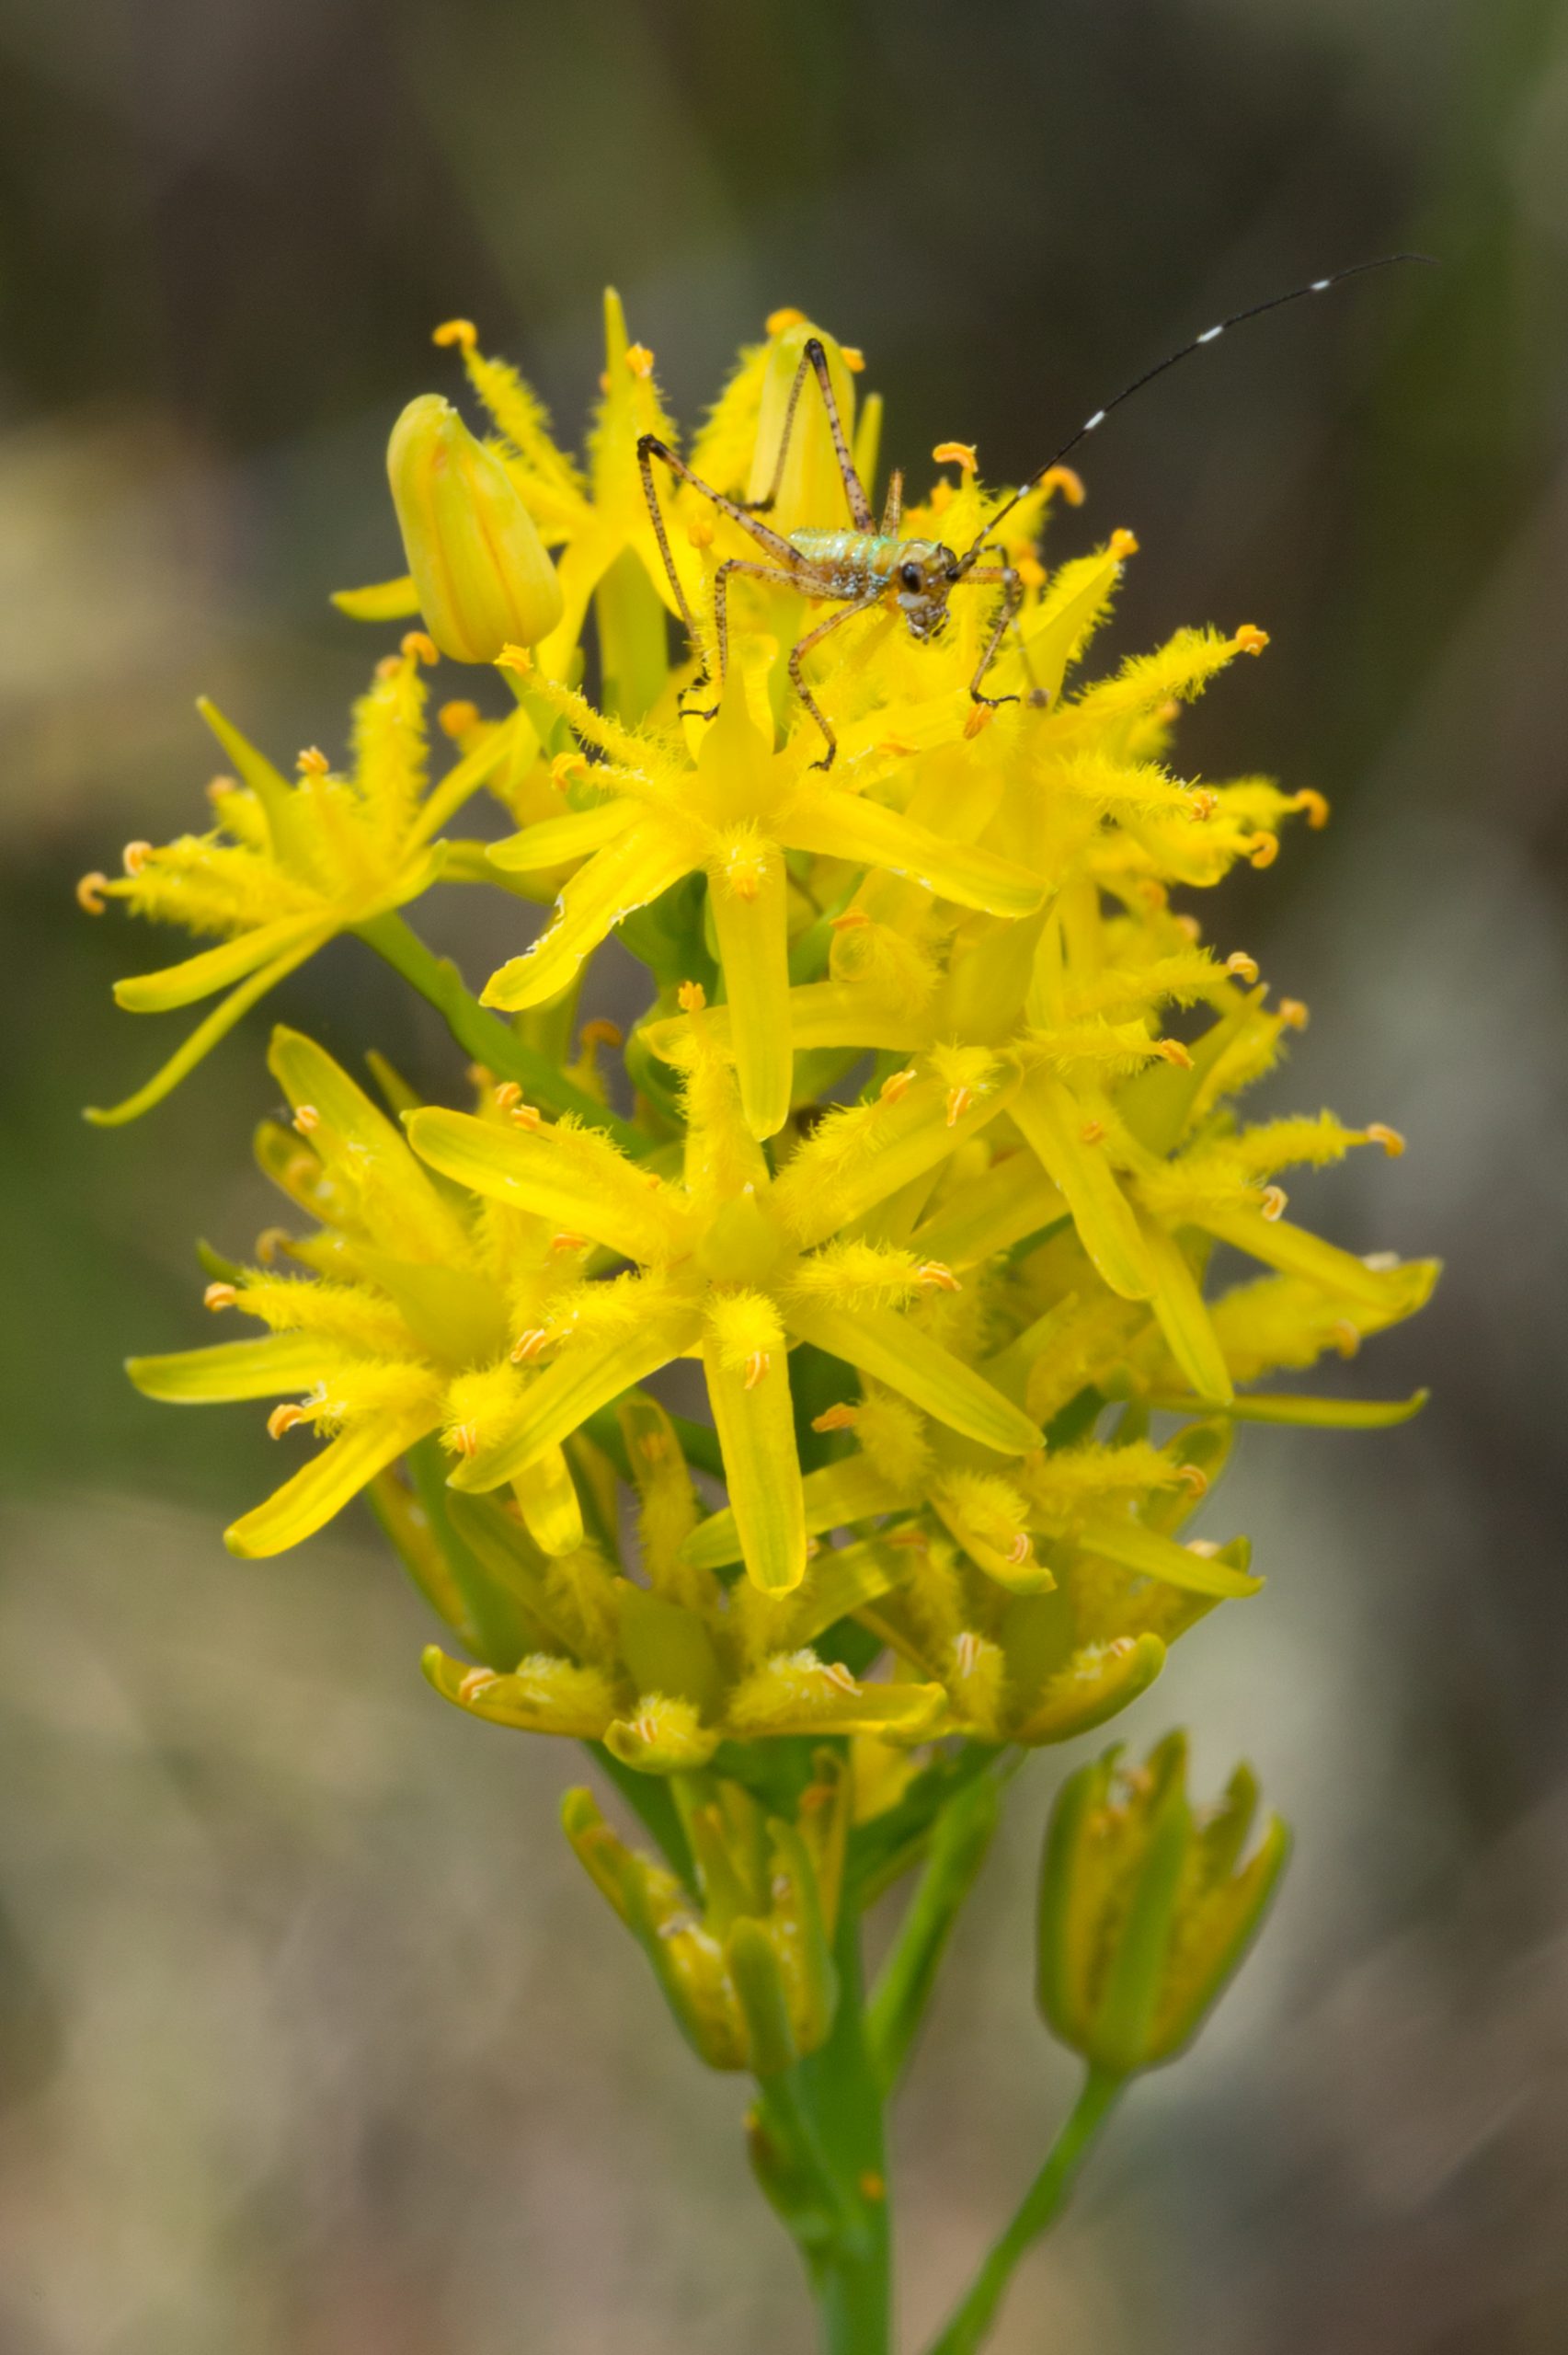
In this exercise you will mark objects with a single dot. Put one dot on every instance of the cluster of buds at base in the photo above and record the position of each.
(745, 1957)
(1145, 1909)
(483, 577)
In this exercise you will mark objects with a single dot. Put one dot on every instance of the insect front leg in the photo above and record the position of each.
(1012, 597)
(733, 564)
(814, 637)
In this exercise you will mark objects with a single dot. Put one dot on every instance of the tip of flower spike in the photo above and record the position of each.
(1314, 806)
(419, 648)
(639, 360)
(1379, 1132)
(1123, 544)
(691, 998)
(780, 322)
(457, 720)
(1250, 640)
(956, 454)
(461, 332)
(90, 892)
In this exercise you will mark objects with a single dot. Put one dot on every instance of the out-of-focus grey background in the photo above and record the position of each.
(311, 2037)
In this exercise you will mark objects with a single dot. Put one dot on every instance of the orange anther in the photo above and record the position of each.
(284, 1419)
(897, 1084)
(1346, 1340)
(980, 717)
(217, 785)
(871, 2186)
(1173, 1050)
(480, 1074)
(527, 1346)
(457, 718)
(1264, 850)
(959, 1100)
(1389, 1139)
(1241, 967)
(463, 332)
(564, 767)
(1123, 544)
(853, 357)
(850, 920)
(135, 857)
(691, 998)
(419, 646)
(653, 1447)
(1201, 804)
(562, 1243)
(639, 360)
(1192, 1476)
(1275, 1199)
(1249, 639)
(956, 454)
(306, 1118)
(526, 1116)
(837, 1673)
(314, 761)
(1316, 807)
(938, 1278)
(388, 666)
(842, 1417)
(515, 658)
(220, 1296)
(476, 1681)
(700, 532)
(1021, 1548)
(758, 1367)
(1293, 1014)
(602, 1032)
(1066, 480)
(912, 1536)
(90, 892)
(1191, 927)
(1030, 571)
(1093, 1131)
(1153, 893)
(780, 322)
(270, 1242)
(507, 1095)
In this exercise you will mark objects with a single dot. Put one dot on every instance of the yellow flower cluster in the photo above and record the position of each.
(932, 1137)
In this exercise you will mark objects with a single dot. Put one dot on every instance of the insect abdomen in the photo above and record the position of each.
(851, 561)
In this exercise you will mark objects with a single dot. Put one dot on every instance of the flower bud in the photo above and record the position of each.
(478, 564)
(1143, 1916)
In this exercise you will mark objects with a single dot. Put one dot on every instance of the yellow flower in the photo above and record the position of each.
(483, 577)
(732, 1265)
(285, 866)
(400, 1326)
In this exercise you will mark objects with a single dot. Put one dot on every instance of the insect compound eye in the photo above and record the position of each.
(909, 574)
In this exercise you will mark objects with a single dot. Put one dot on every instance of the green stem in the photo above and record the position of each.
(1042, 2204)
(483, 1035)
(852, 2273)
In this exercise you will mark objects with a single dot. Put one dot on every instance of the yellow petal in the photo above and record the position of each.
(328, 1481)
(761, 1468)
(627, 874)
(260, 1369)
(991, 1213)
(547, 1498)
(217, 968)
(557, 841)
(889, 1348)
(584, 1377)
(853, 1490)
(1053, 1120)
(1134, 1547)
(202, 1039)
(543, 1694)
(1184, 1317)
(1299, 1253)
(753, 948)
(575, 1180)
(842, 825)
(379, 600)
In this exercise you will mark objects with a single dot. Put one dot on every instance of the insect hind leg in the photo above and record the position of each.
(815, 358)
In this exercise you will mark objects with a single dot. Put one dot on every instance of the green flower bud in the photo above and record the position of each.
(478, 564)
(1143, 1915)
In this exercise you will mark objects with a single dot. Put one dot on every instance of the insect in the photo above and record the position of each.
(870, 565)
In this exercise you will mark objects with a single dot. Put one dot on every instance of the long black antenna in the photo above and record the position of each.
(1209, 335)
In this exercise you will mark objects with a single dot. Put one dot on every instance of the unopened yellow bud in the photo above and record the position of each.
(483, 577)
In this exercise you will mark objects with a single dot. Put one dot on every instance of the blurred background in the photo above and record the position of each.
(312, 2036)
